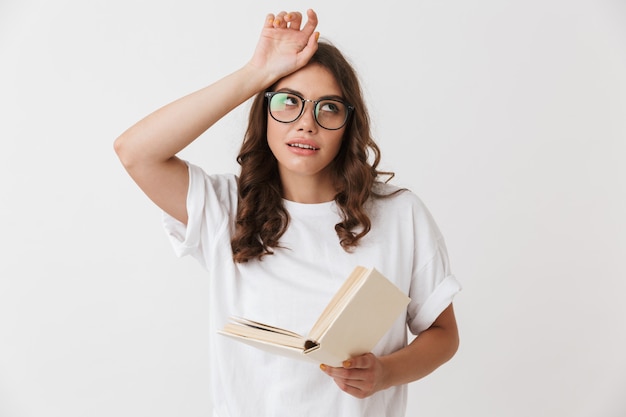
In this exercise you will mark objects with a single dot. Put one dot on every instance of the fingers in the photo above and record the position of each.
(349, 376)
(356, 382)
(311, 22)
(360, 362)
(292, 20)
(280, 22)
(359, 376)
(310, 48)
(353, 369)
(284, 44)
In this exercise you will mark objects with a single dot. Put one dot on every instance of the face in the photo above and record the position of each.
(303, 148)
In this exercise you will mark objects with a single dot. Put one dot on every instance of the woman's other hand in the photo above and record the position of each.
(360, 376)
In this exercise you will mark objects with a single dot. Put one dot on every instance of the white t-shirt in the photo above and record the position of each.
(291, 288)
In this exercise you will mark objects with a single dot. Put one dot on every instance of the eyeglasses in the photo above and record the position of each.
(329, 113)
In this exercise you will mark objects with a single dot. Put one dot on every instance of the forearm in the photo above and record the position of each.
(364, 375)
(167, 131)
(431, 349)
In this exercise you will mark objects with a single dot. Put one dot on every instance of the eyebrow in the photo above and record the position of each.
(297, 93)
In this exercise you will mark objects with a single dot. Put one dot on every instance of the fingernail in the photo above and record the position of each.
(317, 36)
(323, 367)
(346, 364)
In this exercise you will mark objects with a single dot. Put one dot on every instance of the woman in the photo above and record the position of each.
(279, 239)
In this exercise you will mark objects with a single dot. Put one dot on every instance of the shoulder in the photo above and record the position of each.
(391, 195)
(211, 190)
(402, 206)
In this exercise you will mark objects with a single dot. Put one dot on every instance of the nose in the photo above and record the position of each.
(307, 120)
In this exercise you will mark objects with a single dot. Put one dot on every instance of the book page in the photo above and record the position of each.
(261, 331)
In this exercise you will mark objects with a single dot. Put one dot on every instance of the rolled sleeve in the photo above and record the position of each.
(211, 200)
(434, 287)
(185, 239)
(434, 305)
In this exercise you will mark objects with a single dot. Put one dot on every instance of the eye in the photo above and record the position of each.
(330, 106)
(282, 102)
(291, 100)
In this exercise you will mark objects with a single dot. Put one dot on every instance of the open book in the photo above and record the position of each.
(355, 319)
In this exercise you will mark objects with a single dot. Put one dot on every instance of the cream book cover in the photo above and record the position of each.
(353, 322)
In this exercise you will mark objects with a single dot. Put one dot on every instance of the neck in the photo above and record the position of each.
(308, 190)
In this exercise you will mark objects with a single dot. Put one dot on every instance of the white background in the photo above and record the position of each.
(508, 118)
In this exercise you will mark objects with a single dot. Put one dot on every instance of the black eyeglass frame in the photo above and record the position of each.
(270, 94)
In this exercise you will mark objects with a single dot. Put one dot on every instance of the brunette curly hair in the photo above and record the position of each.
(261, 217)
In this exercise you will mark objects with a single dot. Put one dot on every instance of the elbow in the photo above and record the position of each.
(120, 146)
(455, 342)
(448, 349)
(448, 333)
(452, 344)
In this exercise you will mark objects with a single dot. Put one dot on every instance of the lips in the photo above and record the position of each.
(302, 146)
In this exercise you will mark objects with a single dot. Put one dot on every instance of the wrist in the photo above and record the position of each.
(386, 376)
(259, 77)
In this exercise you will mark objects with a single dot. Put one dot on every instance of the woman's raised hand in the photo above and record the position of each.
(285, 46)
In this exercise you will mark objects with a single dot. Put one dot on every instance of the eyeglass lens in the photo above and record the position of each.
(286, 108)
